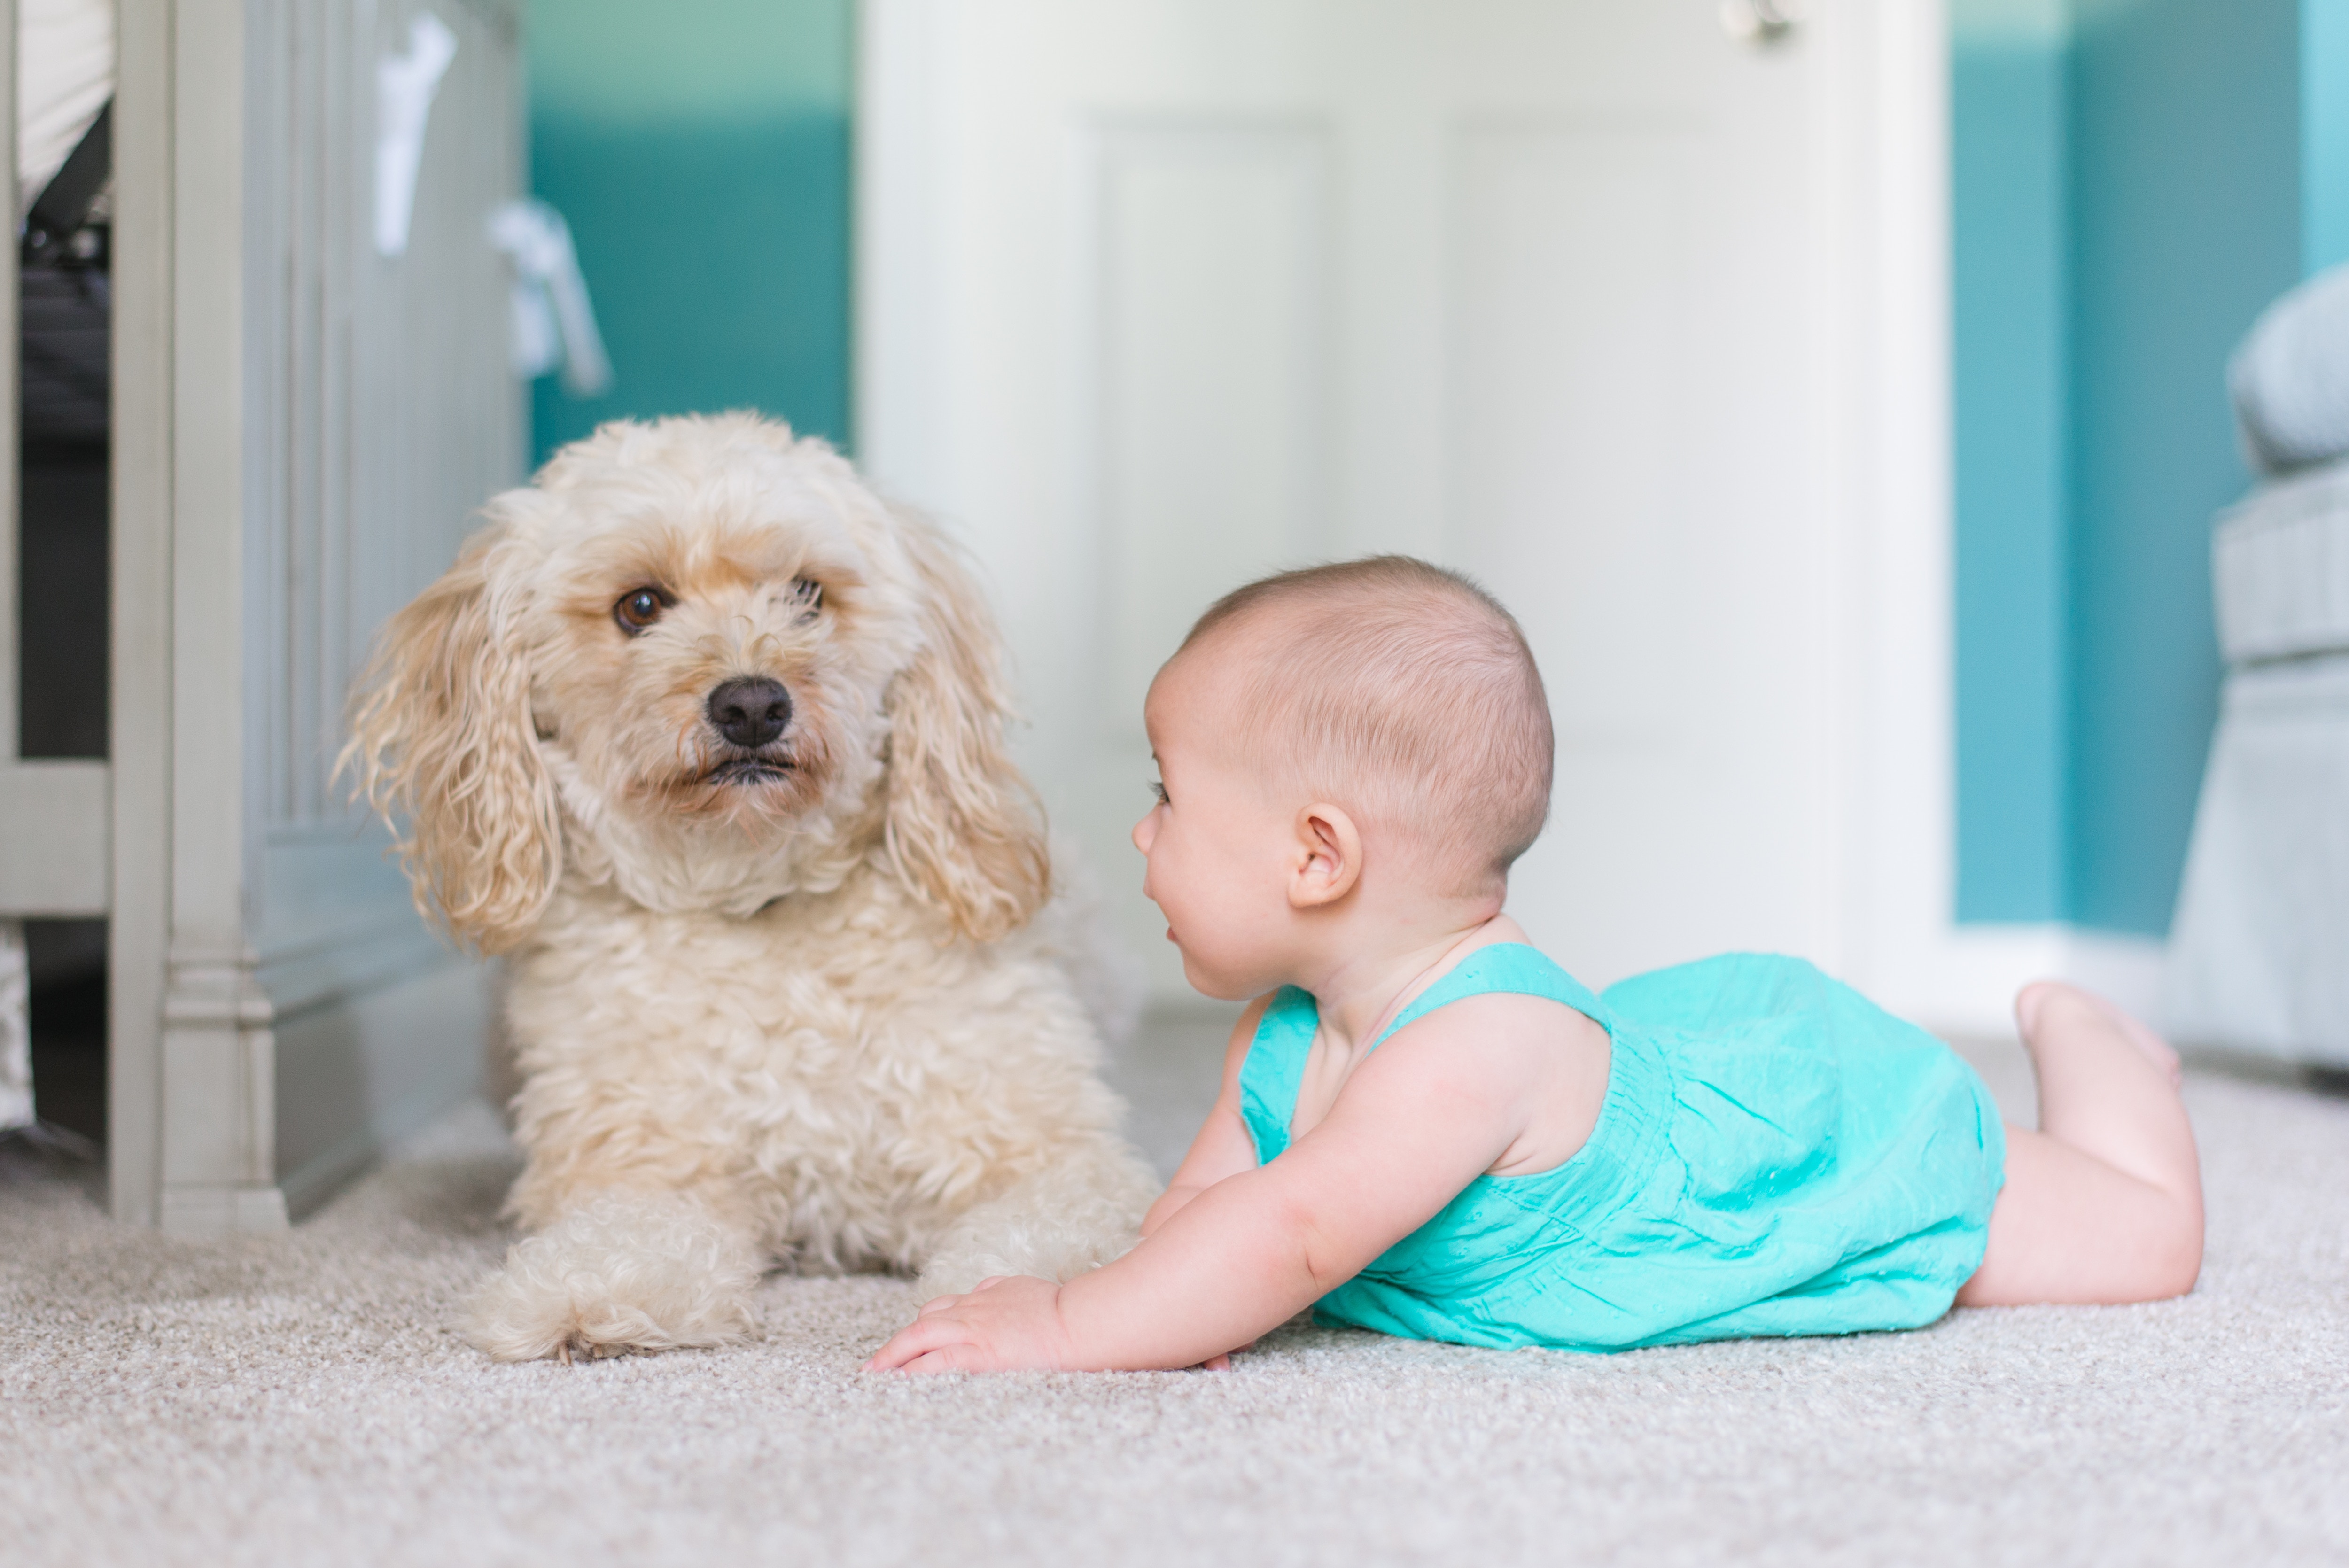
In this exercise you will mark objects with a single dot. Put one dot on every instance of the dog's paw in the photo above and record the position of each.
(956, 1269)
(1055, 1224)
(625, 1271)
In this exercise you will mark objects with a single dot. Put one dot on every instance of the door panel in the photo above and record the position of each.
(1207, 269)
(1526, 286)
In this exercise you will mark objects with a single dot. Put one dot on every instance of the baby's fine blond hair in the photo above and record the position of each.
(1400, 690)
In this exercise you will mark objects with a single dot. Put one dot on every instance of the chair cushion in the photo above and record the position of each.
(2290, 377)
(2280, 569)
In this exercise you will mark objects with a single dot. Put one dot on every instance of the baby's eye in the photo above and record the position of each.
(1158, 791)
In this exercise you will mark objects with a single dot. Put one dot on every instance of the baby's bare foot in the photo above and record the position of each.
(2032, 1001)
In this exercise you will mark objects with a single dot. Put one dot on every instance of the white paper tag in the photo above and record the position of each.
(404, 86)
(552, 310)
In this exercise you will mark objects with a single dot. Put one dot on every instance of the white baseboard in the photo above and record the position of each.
(359, 1073)
(2125, 969)
(1965, 983)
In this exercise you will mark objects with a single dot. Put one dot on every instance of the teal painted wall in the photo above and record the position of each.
(2324, 132)
(2010, 291)
(2186, 222)
(699, 149)
(2131, 181)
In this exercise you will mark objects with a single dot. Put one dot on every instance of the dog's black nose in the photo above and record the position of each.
(750, 710)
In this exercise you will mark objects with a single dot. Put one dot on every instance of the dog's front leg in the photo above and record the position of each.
(1081, 1211)
(623, 1269)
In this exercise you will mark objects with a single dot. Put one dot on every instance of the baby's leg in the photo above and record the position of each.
(2104, 1203)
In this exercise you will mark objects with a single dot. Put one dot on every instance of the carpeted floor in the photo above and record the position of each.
(301, 1398)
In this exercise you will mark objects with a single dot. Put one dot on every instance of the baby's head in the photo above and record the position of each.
(1400, 691)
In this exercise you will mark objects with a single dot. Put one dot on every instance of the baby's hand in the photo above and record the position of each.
(1006, 1324)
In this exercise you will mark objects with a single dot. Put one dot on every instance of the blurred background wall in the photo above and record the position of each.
(2131, 181)
(701, 151)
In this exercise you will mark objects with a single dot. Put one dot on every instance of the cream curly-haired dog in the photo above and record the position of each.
(711, 741)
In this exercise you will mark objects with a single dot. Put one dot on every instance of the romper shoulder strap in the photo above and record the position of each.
(1274, 1069)
(1510, 967)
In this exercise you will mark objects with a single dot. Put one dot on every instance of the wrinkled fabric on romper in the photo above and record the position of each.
(1776, 1155)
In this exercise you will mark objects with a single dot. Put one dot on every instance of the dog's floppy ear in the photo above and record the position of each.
(963, 830)
(441, 734)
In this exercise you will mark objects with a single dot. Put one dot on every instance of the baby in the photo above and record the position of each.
(1428, 1128)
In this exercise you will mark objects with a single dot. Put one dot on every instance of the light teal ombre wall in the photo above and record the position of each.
(2325, 131)
(2010, 287)
(2133, 181)
(701, 151)
(2186, 205)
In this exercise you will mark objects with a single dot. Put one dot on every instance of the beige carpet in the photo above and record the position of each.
(301, 1399)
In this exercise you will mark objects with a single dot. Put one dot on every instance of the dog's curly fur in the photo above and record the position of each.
(800, 1001)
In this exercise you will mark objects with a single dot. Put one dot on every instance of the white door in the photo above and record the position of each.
(1161, 294)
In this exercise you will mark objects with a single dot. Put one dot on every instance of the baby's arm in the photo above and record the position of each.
(1418, 1122)
(1224, 1147)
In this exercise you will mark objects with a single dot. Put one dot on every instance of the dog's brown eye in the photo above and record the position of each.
(638, 608)
(808, 596)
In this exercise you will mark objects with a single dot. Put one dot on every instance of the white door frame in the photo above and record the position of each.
(1906, 945)
(193, 1090)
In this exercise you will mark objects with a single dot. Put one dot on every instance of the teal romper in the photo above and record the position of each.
(1776, 1155)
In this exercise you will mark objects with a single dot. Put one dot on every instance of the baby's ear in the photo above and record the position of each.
(442, 735)
(963, 830)
(1327, 855)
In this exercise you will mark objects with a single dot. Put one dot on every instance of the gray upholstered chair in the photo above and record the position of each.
(2259, 955)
